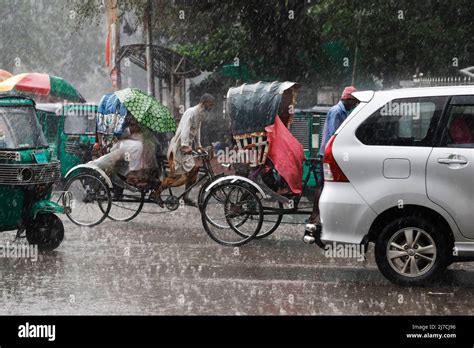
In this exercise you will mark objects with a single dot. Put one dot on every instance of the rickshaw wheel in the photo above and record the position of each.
(222, 220)
(46, 231)
(125, 205)
(215, 203)
(202, 189)
(89, 194)
(268, 226)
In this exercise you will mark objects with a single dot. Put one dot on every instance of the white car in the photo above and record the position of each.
(399, 172)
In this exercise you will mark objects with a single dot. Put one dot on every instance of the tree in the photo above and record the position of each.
(316, 40)
(400, 38)
(214, 33)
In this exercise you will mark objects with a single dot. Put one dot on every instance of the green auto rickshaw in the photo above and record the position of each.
(70, 130)
(27, 173)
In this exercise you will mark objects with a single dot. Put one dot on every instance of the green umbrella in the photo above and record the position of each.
(148, 111)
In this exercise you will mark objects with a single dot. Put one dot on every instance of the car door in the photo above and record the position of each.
(450, 167)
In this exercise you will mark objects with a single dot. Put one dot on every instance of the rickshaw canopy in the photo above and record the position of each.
(252, 107)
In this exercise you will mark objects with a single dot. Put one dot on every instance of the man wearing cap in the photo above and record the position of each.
(335, 117)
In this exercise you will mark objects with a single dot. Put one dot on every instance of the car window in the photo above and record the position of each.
(79, 124)
(403, 122)
(460, 128)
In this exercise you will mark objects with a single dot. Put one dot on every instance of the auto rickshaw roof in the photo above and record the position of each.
(252, 107)
(54, 108)
(14, 100)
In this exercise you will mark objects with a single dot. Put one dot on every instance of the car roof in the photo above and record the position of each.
(427, 91)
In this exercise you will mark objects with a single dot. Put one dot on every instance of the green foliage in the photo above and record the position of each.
(396, 39)
(308, 40)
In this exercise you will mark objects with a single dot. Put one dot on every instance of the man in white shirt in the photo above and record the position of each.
(183, 169)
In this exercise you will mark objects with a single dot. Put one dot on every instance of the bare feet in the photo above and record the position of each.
(156, 197)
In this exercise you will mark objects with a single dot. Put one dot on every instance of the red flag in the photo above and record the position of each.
(287, 154)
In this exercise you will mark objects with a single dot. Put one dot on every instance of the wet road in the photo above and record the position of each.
(166, 264)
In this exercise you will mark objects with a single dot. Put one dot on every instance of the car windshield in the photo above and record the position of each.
(79, 124)
(19, 128)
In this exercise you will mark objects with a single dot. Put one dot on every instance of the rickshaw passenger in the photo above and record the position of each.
(132, 156)
(183, 169)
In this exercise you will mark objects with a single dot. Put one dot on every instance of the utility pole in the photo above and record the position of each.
(118, 70)
(113, 42)
(356, 51)
(149, 49)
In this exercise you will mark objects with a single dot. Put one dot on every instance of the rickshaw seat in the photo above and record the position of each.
(121, 181)
(256, 143)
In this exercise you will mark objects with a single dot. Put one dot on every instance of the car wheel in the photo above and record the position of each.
(412, 251)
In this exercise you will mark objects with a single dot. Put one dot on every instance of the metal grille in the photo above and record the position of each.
(9, 155)
(302, 131)
(322, 121)
(15, 174)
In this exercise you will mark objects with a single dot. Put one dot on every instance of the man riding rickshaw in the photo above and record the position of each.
(183, 169)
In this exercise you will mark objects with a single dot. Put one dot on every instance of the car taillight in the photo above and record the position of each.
(332, 171)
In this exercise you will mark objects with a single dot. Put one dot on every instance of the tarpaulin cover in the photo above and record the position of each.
(110, 104)
(287, 154)
(252, 107)
(111, 115)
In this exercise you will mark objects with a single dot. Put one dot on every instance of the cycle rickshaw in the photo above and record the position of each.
(98, 194)
(249, 205)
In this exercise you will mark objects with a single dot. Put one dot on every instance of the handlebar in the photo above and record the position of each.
(202, 153)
